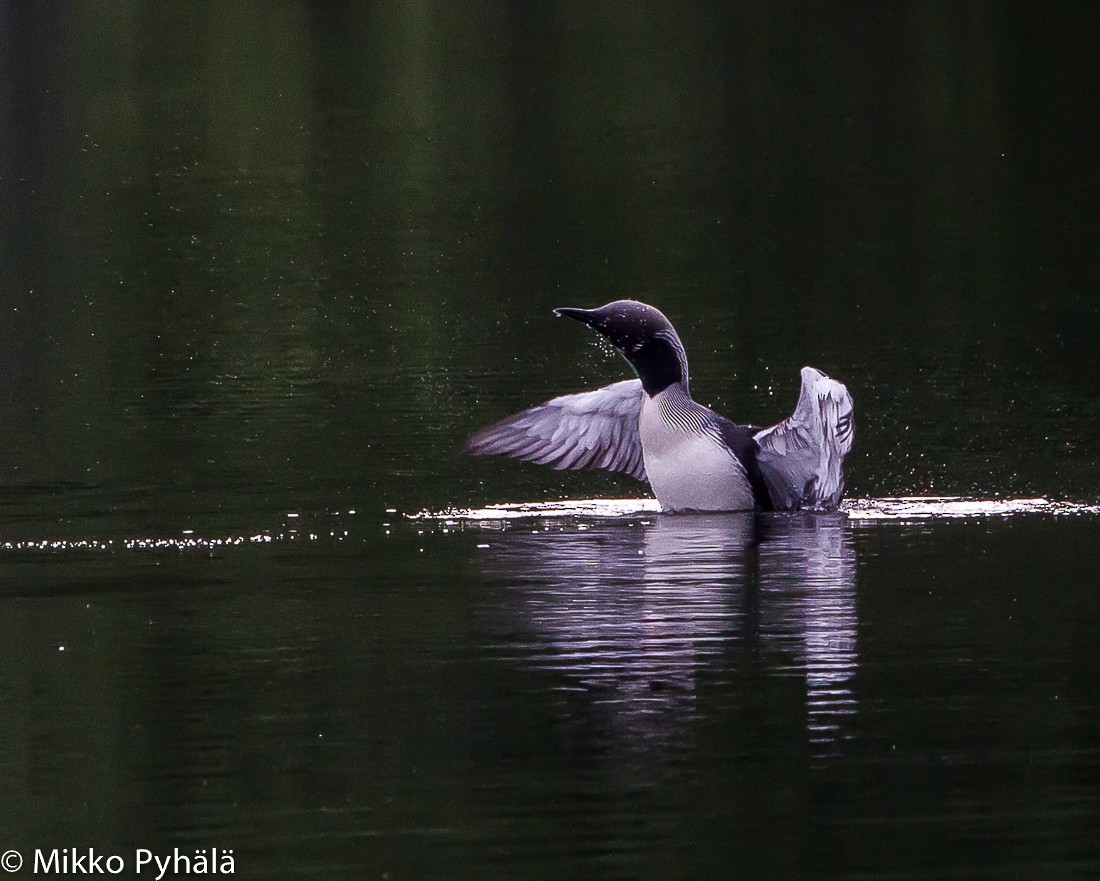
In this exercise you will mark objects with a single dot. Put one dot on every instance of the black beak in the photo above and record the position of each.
(587, 316)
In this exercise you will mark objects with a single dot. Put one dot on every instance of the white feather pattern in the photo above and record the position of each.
(597, 429)
(802, 458)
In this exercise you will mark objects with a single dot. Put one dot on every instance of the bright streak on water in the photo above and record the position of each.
(190, 542)
(901, 508)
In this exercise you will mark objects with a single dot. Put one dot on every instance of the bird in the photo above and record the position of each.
(652, 429)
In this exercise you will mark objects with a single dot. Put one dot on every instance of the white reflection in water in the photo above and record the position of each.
(808, 607)
(632, 616)
(626, 611)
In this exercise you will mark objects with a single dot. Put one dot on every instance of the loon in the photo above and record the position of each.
(652, 429)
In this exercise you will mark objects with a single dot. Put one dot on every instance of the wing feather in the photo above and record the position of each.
(597, 429)
(802, 458)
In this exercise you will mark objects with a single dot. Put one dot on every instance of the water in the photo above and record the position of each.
(790, 695)
(264, 266)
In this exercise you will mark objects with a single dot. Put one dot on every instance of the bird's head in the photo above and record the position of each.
(643, 336)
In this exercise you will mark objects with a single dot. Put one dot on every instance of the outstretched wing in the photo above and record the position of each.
(588, 430)
(802, 458)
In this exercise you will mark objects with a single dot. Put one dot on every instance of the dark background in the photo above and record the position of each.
(260, 255)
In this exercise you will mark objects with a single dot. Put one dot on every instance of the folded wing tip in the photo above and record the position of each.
(811, 375)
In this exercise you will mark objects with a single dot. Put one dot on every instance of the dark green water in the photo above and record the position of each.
(271, 259)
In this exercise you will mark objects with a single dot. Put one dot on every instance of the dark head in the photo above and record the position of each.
(644, 337)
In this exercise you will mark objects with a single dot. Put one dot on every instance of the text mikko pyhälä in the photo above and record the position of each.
(88, 861)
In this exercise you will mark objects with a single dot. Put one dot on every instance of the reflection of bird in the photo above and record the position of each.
(808, 592)
(651, 429)
(634, 617)
(624, 615)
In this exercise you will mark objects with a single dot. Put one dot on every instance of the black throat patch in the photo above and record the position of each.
(657, 364)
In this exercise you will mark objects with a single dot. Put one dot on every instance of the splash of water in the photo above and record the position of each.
(901, 508)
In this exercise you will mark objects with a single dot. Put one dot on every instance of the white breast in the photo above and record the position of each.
(689, 469)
